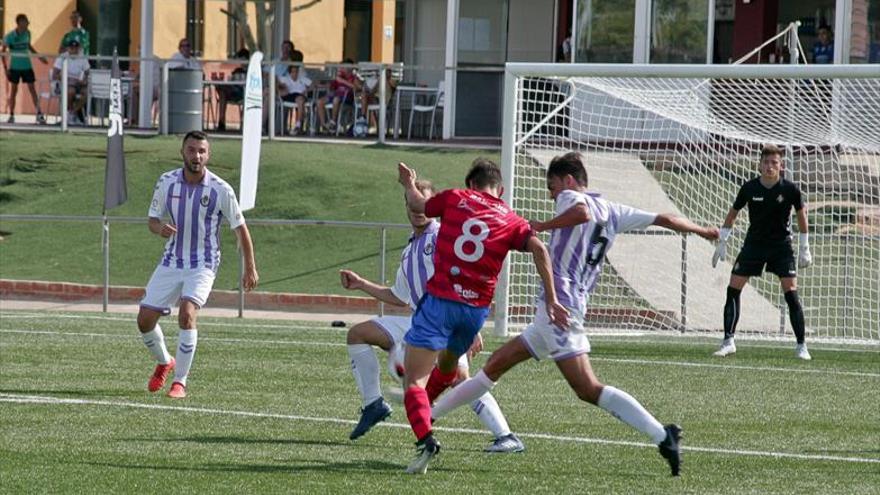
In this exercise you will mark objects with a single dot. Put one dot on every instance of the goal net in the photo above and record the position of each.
(683, 139)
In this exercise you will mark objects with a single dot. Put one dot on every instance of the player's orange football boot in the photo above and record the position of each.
(178, 391)
(157, 381)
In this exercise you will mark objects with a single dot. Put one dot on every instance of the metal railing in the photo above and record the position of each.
(381, 227)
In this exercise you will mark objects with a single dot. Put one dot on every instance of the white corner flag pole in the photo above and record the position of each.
(251, 132)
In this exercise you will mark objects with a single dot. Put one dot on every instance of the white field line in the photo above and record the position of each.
(48, 400)
(685, 364)
(622, 336)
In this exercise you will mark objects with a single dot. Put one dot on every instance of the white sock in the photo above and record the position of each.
(186, 351)
(155, 342)
(365, 368)
(463, 393)
(490, 415)
(624, 407)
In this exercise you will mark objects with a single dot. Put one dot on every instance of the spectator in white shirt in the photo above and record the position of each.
(77, 80)
(184, 58)
(293, 87)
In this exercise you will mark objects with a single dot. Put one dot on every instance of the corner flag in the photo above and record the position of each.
(115, 192)
(251, 133)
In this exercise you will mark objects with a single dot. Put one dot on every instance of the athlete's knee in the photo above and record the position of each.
(589, 391)
(356, 334)
(146, 320)
(186, 317)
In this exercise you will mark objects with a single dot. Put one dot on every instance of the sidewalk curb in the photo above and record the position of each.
(269, 301)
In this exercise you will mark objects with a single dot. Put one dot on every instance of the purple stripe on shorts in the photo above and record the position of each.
(181, 223)
(163, 311)
(196, 200)
(568, 355)
(212, 204)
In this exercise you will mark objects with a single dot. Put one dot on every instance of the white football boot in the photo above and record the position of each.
(802, 353)
(727, 348)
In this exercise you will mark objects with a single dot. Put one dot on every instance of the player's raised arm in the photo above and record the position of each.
(575, 215)
(682, 224)
(415, 200)
(557, 312)
(352, 281)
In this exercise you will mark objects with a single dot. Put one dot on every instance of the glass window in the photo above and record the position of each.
(482, 32)
(605, 31)
(864, 45)
(678, 31)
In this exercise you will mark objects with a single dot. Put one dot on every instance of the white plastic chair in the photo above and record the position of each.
(99, 89)
(438, 102)
(53, 93)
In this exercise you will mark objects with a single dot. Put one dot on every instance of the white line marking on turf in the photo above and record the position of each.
(33, 316)
(49, 400)
(685, 364)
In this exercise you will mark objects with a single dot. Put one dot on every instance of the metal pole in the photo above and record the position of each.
(105, 245)
(272, 102)
(163, 116)
(382, 107)
(64, 103)
(684, 277)
(382, 238)
(240, 285)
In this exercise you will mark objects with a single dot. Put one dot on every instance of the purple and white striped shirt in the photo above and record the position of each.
(578, 252)
(196, 211)
(416, 266)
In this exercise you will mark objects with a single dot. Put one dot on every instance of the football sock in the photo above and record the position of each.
(624, 407)
(490, 415)
(463, 393)
(418, 411)
(365, 368)
(186, 350)
(731, 312)
(438, 382)
(155, 342)
(796, 314)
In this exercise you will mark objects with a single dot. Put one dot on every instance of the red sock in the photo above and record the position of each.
(438, 382)
(418, 411)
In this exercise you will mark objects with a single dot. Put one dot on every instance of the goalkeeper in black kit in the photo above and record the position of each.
(770, 199)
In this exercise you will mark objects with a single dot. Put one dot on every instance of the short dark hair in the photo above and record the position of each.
(197, 135)
(243, 53)
(571, 164)
(772, 149)
(21, 17)
(483, 173)
(296, 56)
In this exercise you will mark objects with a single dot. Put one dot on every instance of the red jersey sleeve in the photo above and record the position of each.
(522, 232)
(436, 204)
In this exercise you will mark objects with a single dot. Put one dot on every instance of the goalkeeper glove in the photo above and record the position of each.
(721, 249)
(805, 259)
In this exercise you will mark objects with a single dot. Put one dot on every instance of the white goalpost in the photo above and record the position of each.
(682, 139)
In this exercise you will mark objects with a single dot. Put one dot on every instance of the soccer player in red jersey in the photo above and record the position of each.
(477, 230)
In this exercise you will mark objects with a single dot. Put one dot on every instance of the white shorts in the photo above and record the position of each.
(168, 285)
(395, 327)
(544, 339)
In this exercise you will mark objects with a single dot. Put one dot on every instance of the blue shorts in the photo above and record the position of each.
(443, 324)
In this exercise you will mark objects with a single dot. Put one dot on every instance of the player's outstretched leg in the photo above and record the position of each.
(489, 413)
(670, 449)
(796, 315)
(365, 368)
(426, 449)
(154, 339)
(418, 412)
(371, 415)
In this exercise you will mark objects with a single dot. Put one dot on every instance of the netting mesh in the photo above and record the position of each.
(686, 146)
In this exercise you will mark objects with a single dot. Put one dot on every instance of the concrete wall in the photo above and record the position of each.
(49, 21)
(317, 31)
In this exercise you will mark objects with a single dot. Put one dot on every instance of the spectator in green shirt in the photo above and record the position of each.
(19, 68)
(77, 33)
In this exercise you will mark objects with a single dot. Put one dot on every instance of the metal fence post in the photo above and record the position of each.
(163, 99)
(382, 107)
(684, 267)
(382, 239)
(105, 244)
(63, 104)
(272, 102)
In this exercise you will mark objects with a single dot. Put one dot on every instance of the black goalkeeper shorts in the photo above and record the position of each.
(779, 258)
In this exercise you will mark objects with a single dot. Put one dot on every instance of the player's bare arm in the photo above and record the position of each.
(161, 228)
(575, 215)
(681, 224)
(250, 277)
(415, 200)
(557, 312)
(352, 281)
(42, 59)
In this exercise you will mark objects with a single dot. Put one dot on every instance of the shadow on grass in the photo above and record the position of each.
(283, 467)
(242, 440)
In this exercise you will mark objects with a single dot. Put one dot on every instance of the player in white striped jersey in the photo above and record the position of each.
(584, 228)
(194, 201)
(387, 332)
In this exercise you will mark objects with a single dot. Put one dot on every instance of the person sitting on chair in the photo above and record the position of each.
(77, 80)
(293, 87)
(341, 92)
(234, 93)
